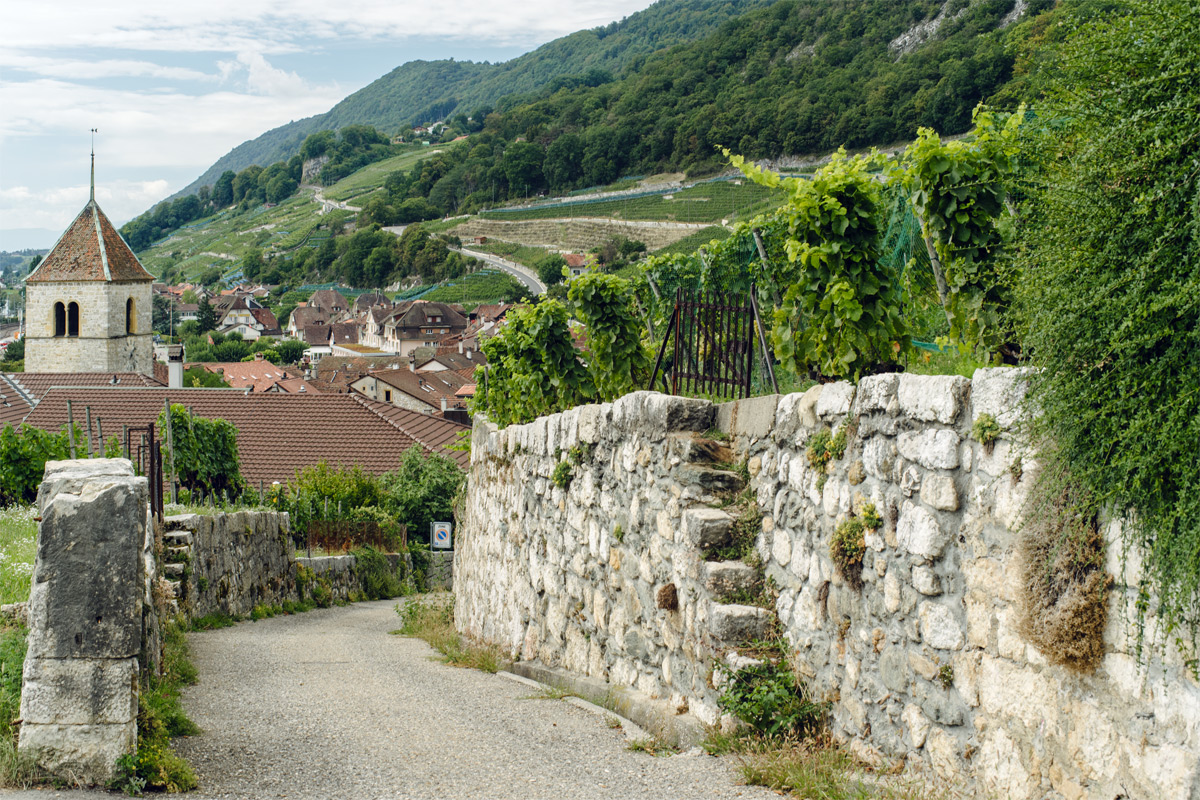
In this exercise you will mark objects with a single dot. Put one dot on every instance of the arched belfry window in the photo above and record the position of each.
(72, 319)
(130, 316)
(60, 319)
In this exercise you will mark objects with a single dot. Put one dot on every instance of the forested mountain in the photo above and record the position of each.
(424, 91)
(798, 77)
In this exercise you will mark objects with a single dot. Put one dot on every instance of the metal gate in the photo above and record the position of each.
(713, 351)
(143, 450)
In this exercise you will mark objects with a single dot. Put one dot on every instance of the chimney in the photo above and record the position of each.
(469, 356)
(175, 368)
(412, 363)
(258, 356)
(460, 347)
(444, 406)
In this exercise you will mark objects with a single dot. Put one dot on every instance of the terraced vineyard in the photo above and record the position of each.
(709, 202)
(360, 185)
(484, 286)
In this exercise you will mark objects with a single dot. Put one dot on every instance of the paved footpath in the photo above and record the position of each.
(329, 705)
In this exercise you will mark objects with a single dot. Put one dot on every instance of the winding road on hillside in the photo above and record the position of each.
(519, 271)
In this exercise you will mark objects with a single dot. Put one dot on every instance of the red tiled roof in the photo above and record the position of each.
(303, 316)
(258, 376)
(90, 250)
(329, 300)
(428, 387)
(433, 433)
(278, 433)
(344, 333)
(316, 335)
(267, 320)
(36, 384)
(295, 386)
(15, 403)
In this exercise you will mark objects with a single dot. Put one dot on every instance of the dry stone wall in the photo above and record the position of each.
(924, 661)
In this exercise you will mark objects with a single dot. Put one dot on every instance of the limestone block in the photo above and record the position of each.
(876, 392)
(932, 449)
(653, 414)
(916, 725)
(910, 481)
(796, 413)
(85, 600)
(722, 577)
(734, 624)
(77, 691)
(941, 705)
(781, 547)
(69, 476)
(891, 591)
(88, 753)
(939, 492)
(753, 418)
(706, 527)
(919, 532)
(926, 581)
(940, 628)
(1020, 692)
(879, 454)
(1000, 391)
(943, 754)
(1000, 767)
(932, 398)
(894, 670)
(835, 400)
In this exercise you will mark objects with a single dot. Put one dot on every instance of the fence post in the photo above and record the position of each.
(71, 429)
(88, 412)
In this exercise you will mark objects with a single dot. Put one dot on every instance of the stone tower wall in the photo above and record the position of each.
(102, 344)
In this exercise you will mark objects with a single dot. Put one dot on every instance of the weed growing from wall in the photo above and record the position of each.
(768, 697)
(847, 547)
(1063, 583)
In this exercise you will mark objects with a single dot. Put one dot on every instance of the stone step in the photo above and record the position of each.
(727, 577)
(733, 624)
(177, 555)
(705, 528)
(697, 449)
(174, 570)
(709, 479)
(180, 538)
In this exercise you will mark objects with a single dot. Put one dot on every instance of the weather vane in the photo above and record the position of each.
(93, 190)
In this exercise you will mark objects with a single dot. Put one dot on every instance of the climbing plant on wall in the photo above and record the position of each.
(839, 314)
(616, 358)
(205, 452)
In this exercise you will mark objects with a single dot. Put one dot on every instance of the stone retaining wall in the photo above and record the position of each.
(229, 563)
(923, 662)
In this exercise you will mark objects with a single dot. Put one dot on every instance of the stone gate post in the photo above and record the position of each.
(80, 699)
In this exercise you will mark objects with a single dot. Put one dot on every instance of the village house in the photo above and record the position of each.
(424, 392)
(410, 325)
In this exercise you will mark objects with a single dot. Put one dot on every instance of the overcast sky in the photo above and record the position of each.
(172, 86)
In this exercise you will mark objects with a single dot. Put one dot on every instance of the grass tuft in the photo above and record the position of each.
(432, 619)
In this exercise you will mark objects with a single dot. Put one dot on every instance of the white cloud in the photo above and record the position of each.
(78, 69)
(275, 26)
(53, 208)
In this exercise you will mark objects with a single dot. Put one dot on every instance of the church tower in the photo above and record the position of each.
(87, 305)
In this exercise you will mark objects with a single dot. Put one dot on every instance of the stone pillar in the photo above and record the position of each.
(80, 699)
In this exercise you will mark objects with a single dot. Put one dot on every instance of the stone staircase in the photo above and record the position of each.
(177, 558)
(710, 528)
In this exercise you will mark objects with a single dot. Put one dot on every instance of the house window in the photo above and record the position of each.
(429, 330)
(72, 319)
(60, 319)
(387, 395)
(130, 317)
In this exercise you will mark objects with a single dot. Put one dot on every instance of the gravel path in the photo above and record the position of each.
(327, 704)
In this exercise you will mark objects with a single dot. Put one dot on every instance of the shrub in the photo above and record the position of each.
(768, 697)
(847, 548)
(562, 475)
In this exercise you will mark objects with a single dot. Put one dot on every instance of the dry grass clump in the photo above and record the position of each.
(1063, 585)
(432, 618)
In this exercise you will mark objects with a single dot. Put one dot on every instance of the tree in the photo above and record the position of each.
(523, 166)
(1109, 276)
(421, 490)
(252, 263)
(162, 314)
(290, 352)
(222, 194)
(550, 269)
(206, 316)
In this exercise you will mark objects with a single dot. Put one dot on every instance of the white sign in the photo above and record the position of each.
(440, 535)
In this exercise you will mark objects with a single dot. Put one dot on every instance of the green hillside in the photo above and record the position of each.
(424, 91)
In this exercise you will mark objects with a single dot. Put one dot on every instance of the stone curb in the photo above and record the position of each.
(654, 716)
(632, 730)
